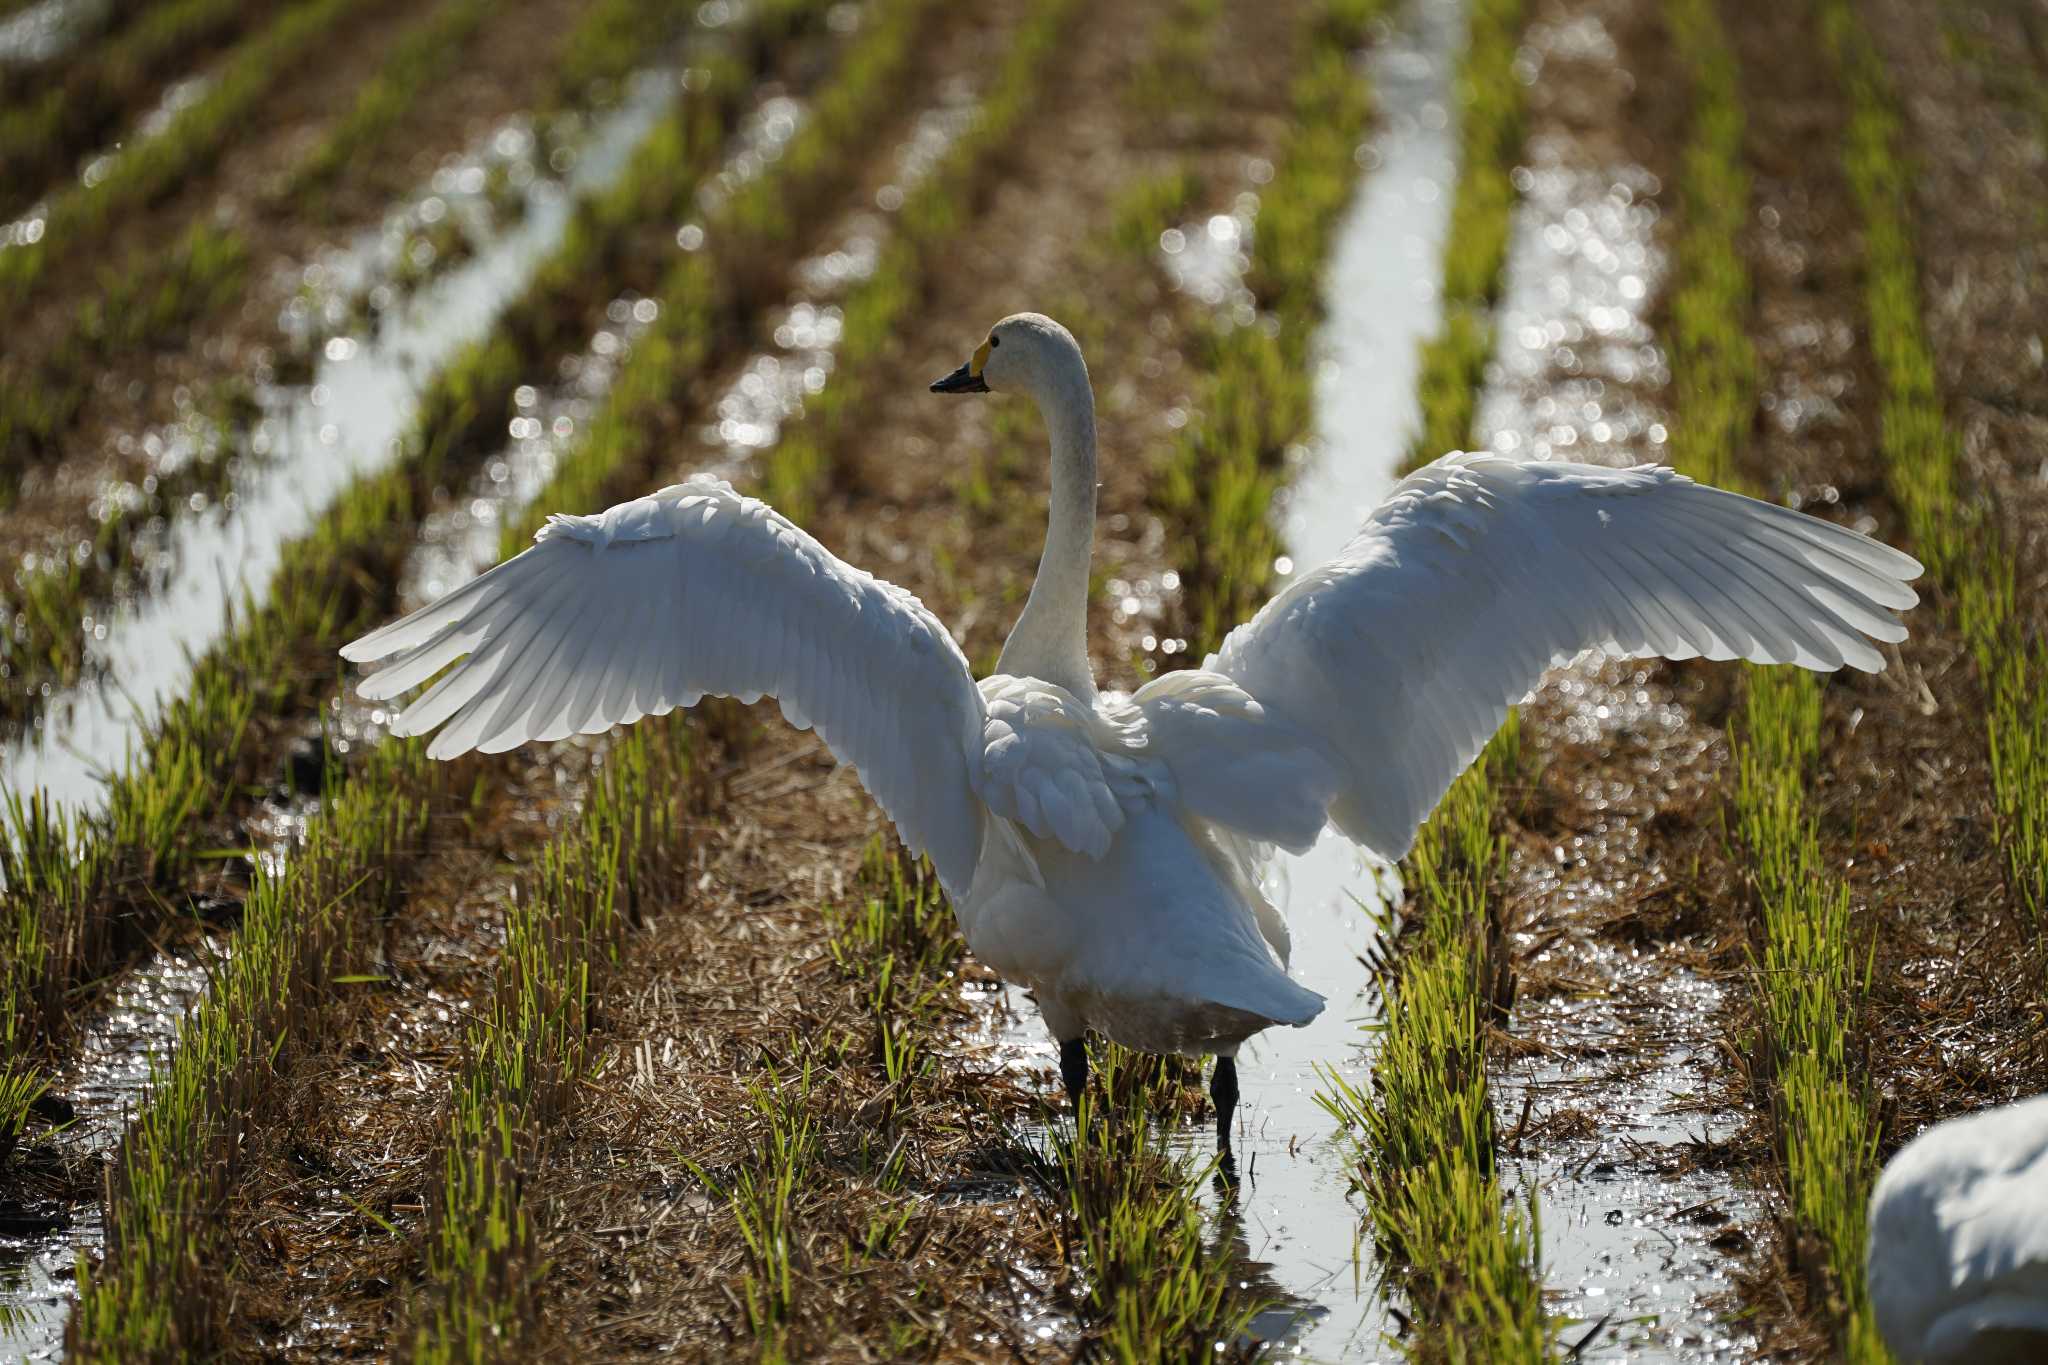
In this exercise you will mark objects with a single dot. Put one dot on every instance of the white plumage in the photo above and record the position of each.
(693, 592)
(1104, 849)
(1958, 1252)
(1481, 571)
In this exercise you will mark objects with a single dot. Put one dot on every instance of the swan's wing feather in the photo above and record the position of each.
(1042, 764)
(1235, 764)
(1480, 571)
(693, 592)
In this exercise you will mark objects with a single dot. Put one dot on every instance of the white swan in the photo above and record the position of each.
(1103, 848)
(1958, 1251)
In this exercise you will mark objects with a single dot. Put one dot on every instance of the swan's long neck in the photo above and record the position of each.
(1050, 640)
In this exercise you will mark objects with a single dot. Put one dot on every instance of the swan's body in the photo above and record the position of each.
(1958, 1252)
(1104, 849)
(1117, 879)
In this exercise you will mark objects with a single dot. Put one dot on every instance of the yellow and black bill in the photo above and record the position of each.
(966, 379)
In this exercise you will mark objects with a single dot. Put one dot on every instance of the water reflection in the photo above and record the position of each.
(1288, 1316)
(1208, 258)
(1620, 1128)
(46, 29)
(104, 1083)
(1576, 355)
(346, 423)
(468, 201)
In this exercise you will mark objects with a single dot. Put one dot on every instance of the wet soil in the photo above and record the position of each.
(736, 992)
(1903, 793)
(326, 1221)
(1627, 1082)
(1970, 81)
(1905, 790)
(305, 441)
(712, 992)
(1624, 930)
(503, 72)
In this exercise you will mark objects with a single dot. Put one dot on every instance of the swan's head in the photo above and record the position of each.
(1024, 353)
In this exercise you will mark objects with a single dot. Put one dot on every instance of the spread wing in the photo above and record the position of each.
(696, 591)
(1480, 571)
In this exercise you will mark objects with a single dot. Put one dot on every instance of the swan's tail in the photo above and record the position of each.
(2011, 1326)
(1275, 998)
(1212, 1021)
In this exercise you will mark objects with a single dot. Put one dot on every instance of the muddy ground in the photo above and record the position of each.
(208, 369)
(725, 985)
(1633, 916)
(1634, 898)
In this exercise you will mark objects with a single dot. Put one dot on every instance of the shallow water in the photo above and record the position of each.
(44, 30)
(1575, 358)
(466, 203)
(93, 171)
(175, 100)
(321, 436)
(1208, 258)
(1294, 1213)
(1382, 301)
(104, 1083)
(1632, 1226)
(106, 1078)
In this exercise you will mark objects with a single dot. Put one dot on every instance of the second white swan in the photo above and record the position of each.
(1103, 848)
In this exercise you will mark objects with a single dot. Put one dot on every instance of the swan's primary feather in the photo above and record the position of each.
(693, 592)
(1480, 571)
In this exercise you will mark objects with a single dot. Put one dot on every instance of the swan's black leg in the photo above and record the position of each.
(1223, 1092)
(1074, 1069)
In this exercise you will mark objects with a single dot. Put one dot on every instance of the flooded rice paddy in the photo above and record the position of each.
(1611, 1089)
(1295, 1212)
(317, 438)
(1639, 1224)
